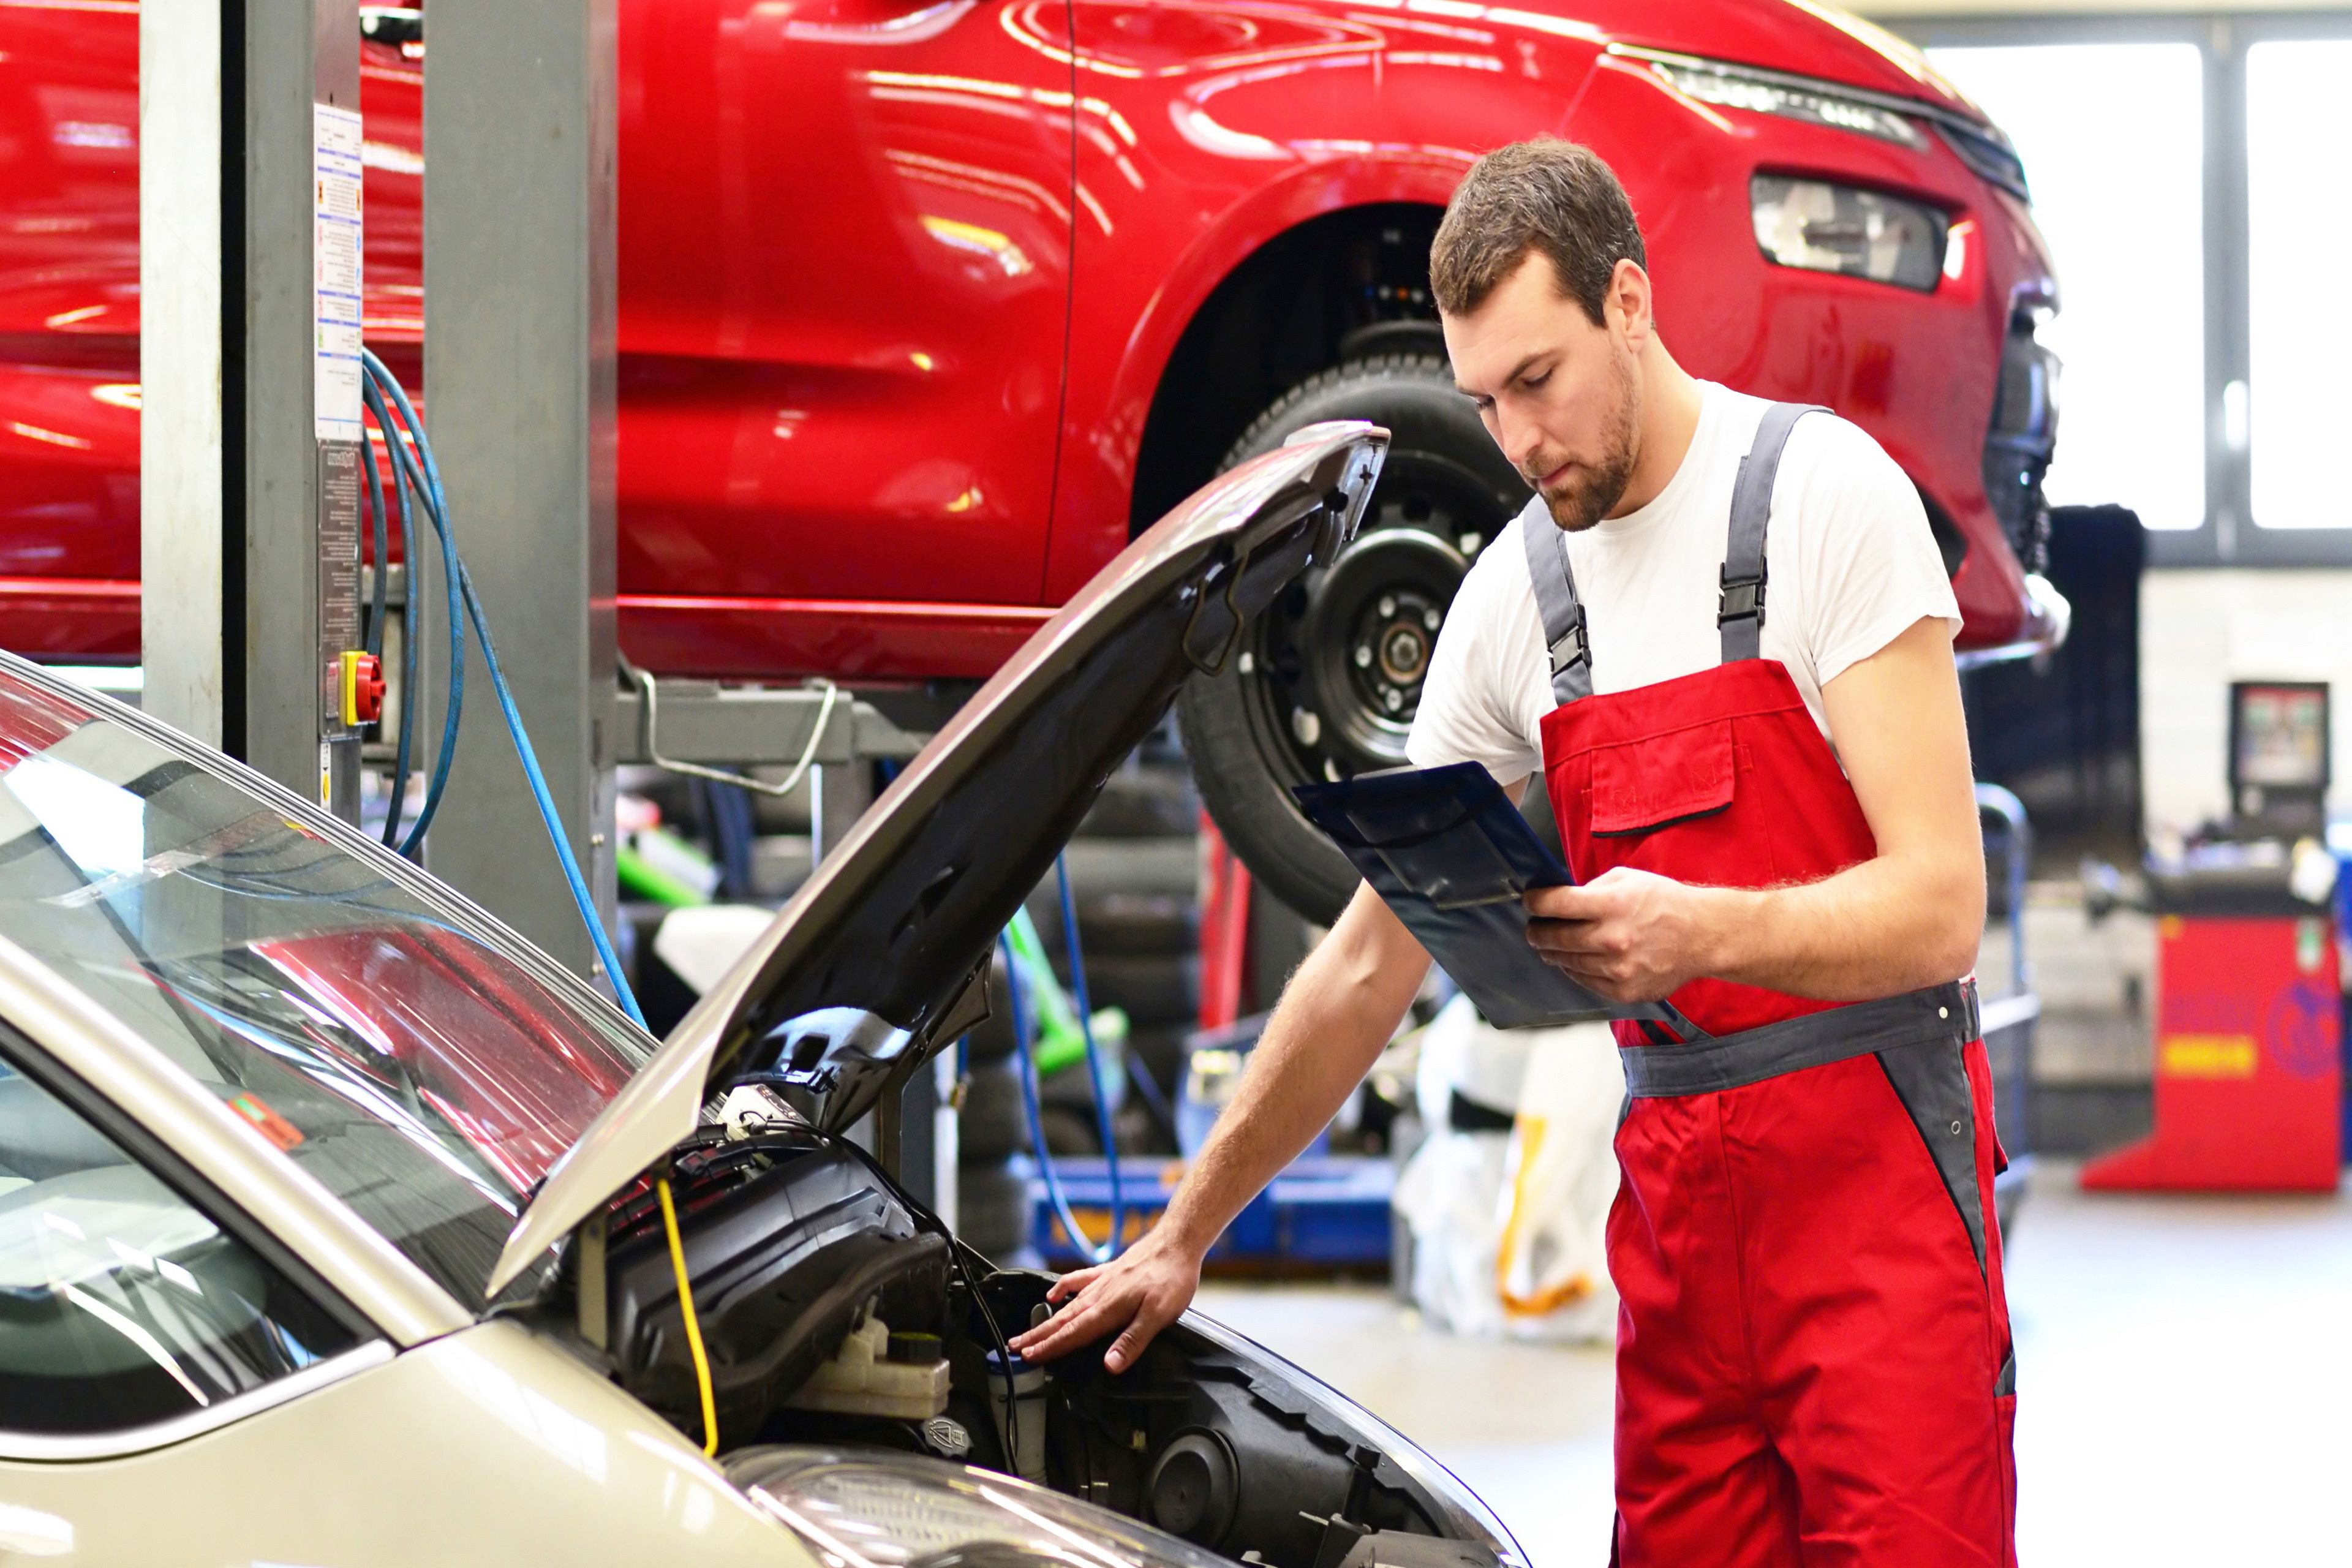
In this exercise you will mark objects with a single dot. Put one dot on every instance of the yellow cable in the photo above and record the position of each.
(693, 1329)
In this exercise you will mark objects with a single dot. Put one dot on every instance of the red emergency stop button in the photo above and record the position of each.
(362, 688)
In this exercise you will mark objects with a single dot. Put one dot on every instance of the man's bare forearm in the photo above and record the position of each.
(1888, 925)
(1911, 916)
(1336, 1016)
(1908, 917)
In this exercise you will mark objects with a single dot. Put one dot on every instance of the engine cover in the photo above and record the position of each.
(787, 1241)
(1210, 1447)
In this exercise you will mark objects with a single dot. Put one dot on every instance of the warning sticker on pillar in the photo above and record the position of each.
(340, 630)
(336, 312)
(336, 142)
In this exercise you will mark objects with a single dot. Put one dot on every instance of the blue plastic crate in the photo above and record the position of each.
(1330, 1211)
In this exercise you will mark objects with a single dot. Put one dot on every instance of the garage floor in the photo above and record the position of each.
(2184, 1371)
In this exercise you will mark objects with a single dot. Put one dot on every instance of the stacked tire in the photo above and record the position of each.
(1134, 870)
(991, 1130)
(1134, 877)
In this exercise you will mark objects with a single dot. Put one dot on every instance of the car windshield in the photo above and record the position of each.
(425, 1066)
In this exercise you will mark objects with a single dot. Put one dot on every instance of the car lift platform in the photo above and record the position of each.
(1326, 1214)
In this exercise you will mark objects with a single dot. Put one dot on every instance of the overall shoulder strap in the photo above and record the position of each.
(1556, 601)
(1740, 615)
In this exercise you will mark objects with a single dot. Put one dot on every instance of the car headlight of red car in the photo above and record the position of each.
(1771, 93)
(1826, 227)
(874, 1509)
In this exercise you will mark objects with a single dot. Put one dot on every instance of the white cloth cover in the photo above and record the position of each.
(1508, 1228)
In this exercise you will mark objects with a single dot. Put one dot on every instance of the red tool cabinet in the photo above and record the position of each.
(2248, 1074)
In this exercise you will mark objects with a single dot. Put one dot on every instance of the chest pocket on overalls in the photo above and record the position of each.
(1678, 776)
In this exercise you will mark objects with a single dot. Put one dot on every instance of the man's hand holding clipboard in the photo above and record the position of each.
(1617, 935)
(1496, 907)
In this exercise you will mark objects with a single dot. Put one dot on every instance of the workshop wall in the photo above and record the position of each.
(2201, 630)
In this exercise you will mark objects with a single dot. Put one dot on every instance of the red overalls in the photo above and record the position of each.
(1814, 1358)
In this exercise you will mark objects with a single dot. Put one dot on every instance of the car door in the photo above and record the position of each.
(844, 247)
(169, 1393)
(131, 1317)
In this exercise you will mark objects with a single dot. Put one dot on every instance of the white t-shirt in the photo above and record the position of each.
(1851, 561)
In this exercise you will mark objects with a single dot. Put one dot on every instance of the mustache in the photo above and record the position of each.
(1542, 464)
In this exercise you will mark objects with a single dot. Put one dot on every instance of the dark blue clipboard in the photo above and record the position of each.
(1453, 858)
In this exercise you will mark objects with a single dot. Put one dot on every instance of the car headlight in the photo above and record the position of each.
(1824, 227)
(1460, 1516)
(1774, 92)
(1983, 147)
(871, 1509)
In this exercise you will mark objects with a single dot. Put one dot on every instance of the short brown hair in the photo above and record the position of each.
(1547, 195)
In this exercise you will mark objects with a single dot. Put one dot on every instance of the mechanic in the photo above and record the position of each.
(1767, 799)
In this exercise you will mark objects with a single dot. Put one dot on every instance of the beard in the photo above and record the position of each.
(1592, 489)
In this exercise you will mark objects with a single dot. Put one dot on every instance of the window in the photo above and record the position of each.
(121, 1304)
(351, 1012)
(2128, 233)
(2300, 318)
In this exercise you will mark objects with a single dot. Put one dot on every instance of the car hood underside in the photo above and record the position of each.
(880, 959)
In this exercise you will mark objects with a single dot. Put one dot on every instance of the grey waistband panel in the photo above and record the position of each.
(1556, 603)
(1734, 1061)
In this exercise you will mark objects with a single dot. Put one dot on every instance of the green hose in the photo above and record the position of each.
(640, 878)
(1061, 1043)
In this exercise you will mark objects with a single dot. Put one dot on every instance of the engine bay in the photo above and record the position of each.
(830, 1314)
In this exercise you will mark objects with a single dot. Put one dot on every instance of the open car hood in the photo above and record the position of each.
(880, 959)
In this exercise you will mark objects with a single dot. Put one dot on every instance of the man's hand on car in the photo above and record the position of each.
(1139, 1293)
(1339, 1010)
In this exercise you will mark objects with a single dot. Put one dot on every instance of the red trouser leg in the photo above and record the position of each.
(1809, 1347)
(1698, 1480)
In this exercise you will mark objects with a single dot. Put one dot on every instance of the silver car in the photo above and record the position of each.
(339, 1226)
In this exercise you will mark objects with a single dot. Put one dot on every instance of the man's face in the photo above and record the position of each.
(1560, 396)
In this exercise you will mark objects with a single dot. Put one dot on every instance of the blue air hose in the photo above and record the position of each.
(383, 549)
(374, 385)
(461, 585)
(547, 812)
(1103, 1122)
(411, 611)
(1016, 1005)
(1028, 1076)
(412, 621)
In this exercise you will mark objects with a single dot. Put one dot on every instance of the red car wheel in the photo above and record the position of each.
(1331, 674)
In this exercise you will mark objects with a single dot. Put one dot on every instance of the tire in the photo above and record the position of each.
(1127, 925)
(1160, 1051)
(1151, 991)
(992, 1210)
(1297, 706)
(1139, 925)
(993, 1122)
(1070, 1131)
(1137, 803)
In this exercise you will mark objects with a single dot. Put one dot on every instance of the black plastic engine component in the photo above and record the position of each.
(1208, 1447)
(1192, 1487)
(787, 1241)
(1389, 1549)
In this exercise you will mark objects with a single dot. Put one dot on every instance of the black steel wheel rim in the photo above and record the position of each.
(1333, 671)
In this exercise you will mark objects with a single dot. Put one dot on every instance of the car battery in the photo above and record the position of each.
(2249, 1069)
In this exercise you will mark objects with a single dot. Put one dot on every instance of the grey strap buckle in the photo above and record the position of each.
(1743, 597)
(1568, 650)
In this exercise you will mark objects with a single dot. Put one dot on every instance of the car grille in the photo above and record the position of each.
(1985, 150)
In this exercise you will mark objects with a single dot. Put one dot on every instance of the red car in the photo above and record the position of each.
(928, 305)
